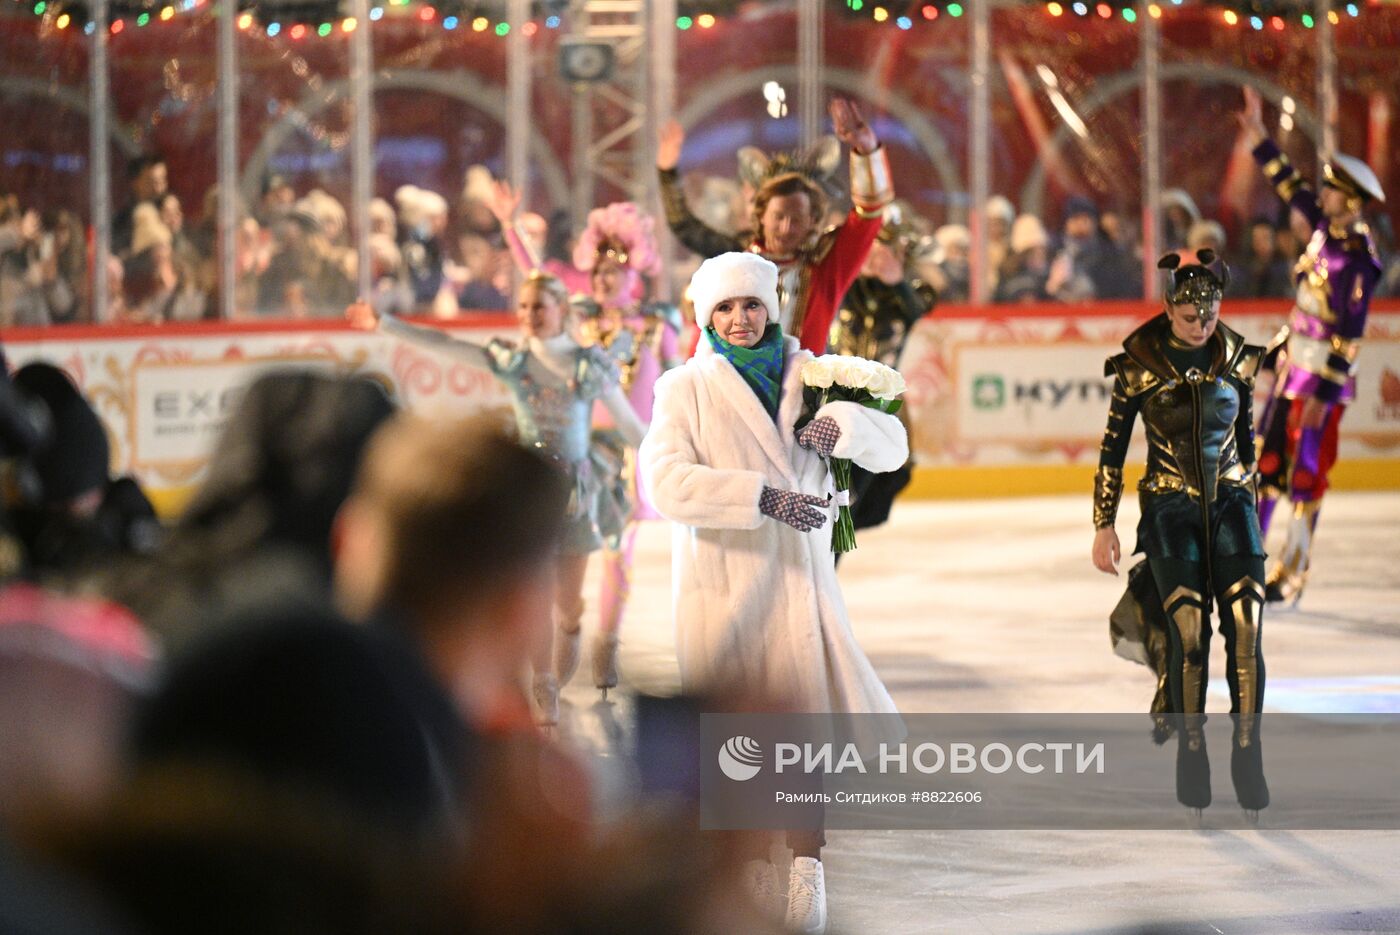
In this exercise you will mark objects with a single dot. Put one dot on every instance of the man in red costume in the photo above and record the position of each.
(788, 208)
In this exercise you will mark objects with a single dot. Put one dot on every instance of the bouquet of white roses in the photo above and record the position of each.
(832, 378)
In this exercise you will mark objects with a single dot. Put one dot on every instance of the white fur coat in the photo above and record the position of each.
(756, 601)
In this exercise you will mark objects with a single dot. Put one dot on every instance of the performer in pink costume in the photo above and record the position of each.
(615, 251)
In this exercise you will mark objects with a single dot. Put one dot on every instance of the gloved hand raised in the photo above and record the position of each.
(798, 510)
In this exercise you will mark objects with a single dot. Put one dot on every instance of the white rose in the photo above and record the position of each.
(853, 373)
(817, 373)
(887, 384)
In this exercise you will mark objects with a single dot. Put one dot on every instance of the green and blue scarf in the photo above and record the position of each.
(761, 366)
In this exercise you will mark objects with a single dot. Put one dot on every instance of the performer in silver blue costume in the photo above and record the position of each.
(553, 383)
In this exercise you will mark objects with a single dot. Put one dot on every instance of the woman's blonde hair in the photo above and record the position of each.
(550, 285)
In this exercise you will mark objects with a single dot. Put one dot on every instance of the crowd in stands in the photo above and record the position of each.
(432, 256)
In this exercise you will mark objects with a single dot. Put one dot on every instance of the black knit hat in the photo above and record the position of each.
(74, 459)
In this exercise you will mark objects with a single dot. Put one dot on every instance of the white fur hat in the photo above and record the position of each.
(729, 276)
(417, 205)
(1028, 233)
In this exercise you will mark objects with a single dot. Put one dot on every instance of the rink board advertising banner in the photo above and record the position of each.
(1006, 390)
(1048, 772)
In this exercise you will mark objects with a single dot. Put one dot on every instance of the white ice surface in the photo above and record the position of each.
(993, 606)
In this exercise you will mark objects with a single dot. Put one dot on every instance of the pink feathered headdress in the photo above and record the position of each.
(624, 230)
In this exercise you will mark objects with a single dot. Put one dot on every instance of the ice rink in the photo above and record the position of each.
(984, 606)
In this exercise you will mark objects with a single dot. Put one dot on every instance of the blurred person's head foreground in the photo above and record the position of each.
(452, 530)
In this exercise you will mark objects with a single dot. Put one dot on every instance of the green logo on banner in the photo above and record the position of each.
(988, 391)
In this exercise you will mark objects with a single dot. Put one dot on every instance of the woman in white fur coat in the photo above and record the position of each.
(757, 603)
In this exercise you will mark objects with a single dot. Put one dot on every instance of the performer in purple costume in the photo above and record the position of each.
(1314, 356)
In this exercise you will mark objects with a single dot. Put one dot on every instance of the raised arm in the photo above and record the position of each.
(1279, 171)
(363, 317)
(871, 190)
(505, 204)
(694, 233)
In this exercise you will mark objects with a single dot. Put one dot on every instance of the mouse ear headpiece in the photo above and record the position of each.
(1197, 279)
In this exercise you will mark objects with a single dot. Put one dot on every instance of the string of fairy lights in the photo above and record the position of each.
(322, 20)
(1277, 15)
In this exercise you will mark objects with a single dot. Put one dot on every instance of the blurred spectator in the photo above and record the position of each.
(116, 310)
(1025, 273)
(147, 177)
(950, 274)
(346, 715)
(334, 229)
(1263, 273)
(302, 279)
(535, 229)
(391, 294)
(159, 285)
(1096, 267)
(451, 530)
(1288, 246)
(1389, 285)
(40, 278)
(475, 203)
(382, 219)
(253, 255)
(70, 516)
(182, 849)
(488, 272)
(172, 215)
(1206, 235)
(422, 223)
(278, 196)
(450, 537)
(560, 237)
(1001, 214)
(35, 900)
(70, 258)
(1114, 228)
(1180, 212)
(259, 529)
(71, 670)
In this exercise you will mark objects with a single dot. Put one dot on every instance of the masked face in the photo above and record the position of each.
(1193, 324)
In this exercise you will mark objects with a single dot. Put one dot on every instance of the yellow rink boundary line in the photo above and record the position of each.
(961, 483)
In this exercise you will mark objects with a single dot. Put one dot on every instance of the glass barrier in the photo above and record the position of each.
(296, 248)
(45, 203)
(1065, 216)
(1214, 194)
(163, 79)
(1368, 90)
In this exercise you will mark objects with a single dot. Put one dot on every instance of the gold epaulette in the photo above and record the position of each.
(1246, 364)
(1136, 378)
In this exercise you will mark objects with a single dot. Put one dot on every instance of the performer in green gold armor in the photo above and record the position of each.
(1190, 377)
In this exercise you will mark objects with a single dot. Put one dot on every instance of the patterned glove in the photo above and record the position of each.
(798, 510)
(820, 435)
